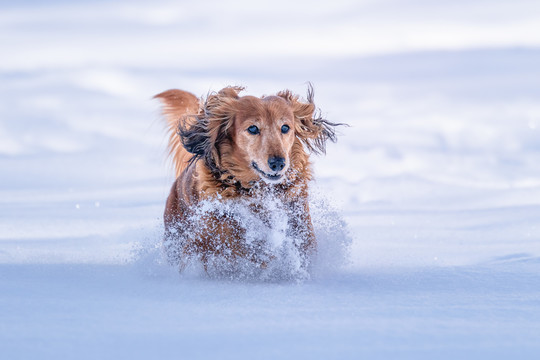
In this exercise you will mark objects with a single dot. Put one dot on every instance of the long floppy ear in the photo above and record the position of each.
(204, 137)
(310, 127)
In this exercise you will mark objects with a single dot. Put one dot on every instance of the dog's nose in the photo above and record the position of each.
(276, 163)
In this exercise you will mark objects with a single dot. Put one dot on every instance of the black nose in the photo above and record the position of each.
(276, 163)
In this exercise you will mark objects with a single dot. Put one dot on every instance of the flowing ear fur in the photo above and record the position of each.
(312, 130)
(204, 137)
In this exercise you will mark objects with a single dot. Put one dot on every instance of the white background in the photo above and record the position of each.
(437, 178)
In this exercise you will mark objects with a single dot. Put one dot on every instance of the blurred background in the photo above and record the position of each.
(437, 178)
(439, 164)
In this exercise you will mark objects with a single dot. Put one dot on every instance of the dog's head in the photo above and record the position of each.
(252, 138)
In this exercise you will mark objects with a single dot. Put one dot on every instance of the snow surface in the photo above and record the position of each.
(437, 179)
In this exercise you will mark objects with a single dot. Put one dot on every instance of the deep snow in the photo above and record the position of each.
(437, 179)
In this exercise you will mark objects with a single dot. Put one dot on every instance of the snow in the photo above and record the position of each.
(436, 182)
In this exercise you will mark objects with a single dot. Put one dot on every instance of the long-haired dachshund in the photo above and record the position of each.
(236, 147)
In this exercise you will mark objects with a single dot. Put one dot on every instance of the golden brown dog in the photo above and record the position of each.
(235, 147)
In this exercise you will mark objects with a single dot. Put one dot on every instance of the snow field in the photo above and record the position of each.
(426, 208)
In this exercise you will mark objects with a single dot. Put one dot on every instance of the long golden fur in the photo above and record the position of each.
(230, 146)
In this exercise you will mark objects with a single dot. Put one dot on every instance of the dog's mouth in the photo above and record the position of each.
(272, 177)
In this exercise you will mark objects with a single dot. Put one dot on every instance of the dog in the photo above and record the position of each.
(228, 147)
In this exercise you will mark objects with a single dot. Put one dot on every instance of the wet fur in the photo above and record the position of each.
(208, 145)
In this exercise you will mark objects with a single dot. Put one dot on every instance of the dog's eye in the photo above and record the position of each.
(285, 129)
(253, 130)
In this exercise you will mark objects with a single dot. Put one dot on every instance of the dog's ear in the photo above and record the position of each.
(220, 108)
(194, 136)
(310, 127)
(204, 136)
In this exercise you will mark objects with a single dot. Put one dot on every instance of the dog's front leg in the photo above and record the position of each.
(223, 236)
(301, 229)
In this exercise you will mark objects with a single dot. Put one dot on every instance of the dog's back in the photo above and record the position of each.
(179, 107)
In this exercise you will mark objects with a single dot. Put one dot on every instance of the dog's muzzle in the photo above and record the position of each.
(272, 177)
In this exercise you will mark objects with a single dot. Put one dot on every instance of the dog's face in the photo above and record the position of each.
(250, 139)
(263, 135)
